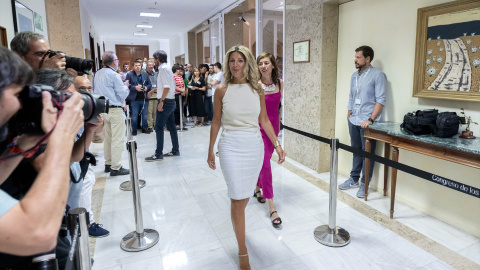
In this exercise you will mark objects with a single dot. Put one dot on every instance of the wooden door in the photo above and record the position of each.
(3, 36)
(128, 54)
(92, 53)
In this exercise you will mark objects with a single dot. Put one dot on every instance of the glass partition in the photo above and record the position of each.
(272, 30)
(239, 25)
(215, 38)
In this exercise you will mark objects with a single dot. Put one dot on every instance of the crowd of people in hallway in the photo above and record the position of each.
(240, 101)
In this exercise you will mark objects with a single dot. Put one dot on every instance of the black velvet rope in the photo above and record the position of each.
(472, 191)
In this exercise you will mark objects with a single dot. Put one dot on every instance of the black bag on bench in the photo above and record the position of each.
(420, 122)
(447, 124)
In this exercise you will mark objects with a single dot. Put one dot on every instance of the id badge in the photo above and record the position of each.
(358, 101)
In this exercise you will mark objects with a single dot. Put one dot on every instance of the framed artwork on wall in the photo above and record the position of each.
(447, 53)
(301, 51)
(38, 21)
(22, 17)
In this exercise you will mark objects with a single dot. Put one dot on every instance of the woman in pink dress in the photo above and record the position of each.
(273, 87)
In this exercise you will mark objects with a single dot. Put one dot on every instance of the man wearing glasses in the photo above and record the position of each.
(107, 83)
(34, 49)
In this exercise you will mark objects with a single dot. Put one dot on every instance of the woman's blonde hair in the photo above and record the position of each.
(250, 71)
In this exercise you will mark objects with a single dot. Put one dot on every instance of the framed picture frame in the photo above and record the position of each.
(447, 52)
(301, 51)
(38, 21)
(22, 17)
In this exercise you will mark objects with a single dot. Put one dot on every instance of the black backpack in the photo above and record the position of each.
(447, 124)
(420, 122)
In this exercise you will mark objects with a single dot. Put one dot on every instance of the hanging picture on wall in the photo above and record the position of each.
(22, 17)
(38, 21)
(447, 56)
(301, 51)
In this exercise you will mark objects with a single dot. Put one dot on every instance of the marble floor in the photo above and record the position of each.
(186, 202)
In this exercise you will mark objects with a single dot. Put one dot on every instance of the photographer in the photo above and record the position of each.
(31, 225)
(34, 49)
(139, 87)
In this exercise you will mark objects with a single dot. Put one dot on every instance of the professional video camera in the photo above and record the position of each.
(79, 64)
(28, 120)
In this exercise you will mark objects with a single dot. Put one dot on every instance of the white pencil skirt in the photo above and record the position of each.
(241, 159)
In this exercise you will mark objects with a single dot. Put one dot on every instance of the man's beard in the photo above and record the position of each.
(359, 67)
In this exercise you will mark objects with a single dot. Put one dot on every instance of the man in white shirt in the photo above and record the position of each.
(108, 84)
(165, 109)
(218, 79)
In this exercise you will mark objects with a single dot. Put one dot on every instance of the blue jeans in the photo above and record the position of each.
(137, 106)
(209, 107)
(358, 141)
(166, 117)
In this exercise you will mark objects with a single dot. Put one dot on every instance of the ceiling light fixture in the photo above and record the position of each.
(139, 34)
(148, 14)
(144, 26)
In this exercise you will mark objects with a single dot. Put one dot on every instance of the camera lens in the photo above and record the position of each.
(79, 64)
(28, 119)
(94, 106)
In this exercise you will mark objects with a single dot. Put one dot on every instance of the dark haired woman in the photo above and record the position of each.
(198, 87)
(273, 87)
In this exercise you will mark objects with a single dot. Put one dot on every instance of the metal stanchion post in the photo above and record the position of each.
(82, 254)
(180, 106)
(141, 238)
(331, 235)
(127, 185)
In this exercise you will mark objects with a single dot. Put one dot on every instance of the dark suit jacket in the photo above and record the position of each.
(135, 80)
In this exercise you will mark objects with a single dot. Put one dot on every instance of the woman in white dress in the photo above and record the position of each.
(239, 107)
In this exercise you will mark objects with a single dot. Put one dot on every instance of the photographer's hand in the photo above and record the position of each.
(57, 61)
(138, 88)
(93, 126)
(49, 113)
(71, 118)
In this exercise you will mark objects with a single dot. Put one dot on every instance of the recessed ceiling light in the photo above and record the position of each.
(147, 14)
(139, 34)
(144, 26)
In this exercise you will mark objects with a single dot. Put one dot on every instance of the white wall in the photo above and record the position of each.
(179, 45)
(389, 27)
(6, 16)
(89, 28)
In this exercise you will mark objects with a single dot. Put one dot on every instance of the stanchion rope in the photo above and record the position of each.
(472, 191)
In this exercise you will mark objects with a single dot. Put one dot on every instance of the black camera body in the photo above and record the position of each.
(78, 64)
(29, 119)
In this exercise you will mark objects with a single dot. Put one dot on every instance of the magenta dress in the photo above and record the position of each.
(272, 101)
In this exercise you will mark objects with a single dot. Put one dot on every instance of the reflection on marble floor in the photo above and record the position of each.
(187, 204)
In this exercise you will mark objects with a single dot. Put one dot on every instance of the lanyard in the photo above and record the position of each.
(356, 80)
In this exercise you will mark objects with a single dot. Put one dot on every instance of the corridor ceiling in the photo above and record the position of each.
(117, 19)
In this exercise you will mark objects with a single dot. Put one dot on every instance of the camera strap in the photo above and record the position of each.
(17, 151)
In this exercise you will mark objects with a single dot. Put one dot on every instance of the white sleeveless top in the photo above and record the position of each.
(241, 107)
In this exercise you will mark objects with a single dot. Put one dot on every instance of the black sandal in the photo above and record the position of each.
(277, 219)
(260, 199)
